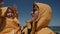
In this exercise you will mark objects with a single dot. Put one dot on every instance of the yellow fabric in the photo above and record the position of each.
(28, 24)
(25, 31)
(45, 14)
(4, 9)
(45, 31)
(44, 17)
(10, 26)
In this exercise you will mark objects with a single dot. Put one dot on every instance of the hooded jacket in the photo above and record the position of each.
(43, 20)
(9, 26)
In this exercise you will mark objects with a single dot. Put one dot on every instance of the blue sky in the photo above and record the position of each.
(25, 6)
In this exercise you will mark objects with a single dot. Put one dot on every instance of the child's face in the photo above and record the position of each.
(9, 13)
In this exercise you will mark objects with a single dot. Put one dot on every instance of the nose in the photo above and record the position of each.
(32, 13)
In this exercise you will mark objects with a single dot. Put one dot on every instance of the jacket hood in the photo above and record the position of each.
(4, 9)
(45, 14)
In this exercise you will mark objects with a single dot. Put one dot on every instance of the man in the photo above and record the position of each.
(41, 16)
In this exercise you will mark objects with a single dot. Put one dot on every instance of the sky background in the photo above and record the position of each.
(24, 9)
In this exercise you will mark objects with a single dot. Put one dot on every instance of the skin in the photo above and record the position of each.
(9, 14)
(34, 13)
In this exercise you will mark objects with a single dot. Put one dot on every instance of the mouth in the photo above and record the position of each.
(9, 14)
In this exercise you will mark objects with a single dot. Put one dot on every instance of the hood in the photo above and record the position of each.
(4, 9)
(45, 14)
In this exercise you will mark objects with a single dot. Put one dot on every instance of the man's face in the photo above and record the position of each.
(34, 13)
(9, 13)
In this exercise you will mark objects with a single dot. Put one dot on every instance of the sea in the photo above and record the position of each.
(56, 29)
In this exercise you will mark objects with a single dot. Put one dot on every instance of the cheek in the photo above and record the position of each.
(7, 14)
(36, 13)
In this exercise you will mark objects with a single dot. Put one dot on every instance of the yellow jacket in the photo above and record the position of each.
(44, 17)
(9, 26)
